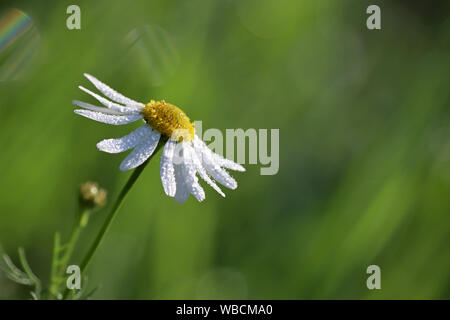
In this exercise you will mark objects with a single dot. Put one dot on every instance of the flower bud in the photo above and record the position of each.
(92, 196)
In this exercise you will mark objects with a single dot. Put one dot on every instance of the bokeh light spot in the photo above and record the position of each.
(19, 39)
(152, 54)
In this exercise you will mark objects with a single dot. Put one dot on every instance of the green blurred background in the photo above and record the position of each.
(364, 125)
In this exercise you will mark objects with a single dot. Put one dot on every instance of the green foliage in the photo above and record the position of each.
(25, 277)
(364, 154)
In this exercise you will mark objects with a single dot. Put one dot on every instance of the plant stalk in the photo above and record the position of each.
(115, 208)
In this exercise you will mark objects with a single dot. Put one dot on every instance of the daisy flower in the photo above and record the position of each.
(184, 155)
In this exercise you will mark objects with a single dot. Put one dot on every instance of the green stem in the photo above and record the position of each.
(53, 290)
(29, 272)
(74, 236)
(115, 208)
(59, 265)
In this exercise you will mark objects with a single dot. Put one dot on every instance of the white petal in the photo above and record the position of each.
(112, 94)
(200, 146)
(220, 175)
(202, 172)
(181, 193)
(226, 163)
(142, 151)
(108, 118)
(189, 174)
(167, 170)
(111, 105)
(212, 166)
(95, 108)
(124, 143)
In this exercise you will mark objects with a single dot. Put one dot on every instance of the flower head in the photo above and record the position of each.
(184, 154)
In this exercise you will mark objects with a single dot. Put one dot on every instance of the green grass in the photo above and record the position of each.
(364, 154)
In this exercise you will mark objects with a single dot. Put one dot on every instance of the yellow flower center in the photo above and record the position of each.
(168, 120)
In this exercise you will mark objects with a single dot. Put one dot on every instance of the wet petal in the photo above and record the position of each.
(113, 94)
(182, 192)
(202, 172)
(110, 105)
(220, 175)
(201, 147)
(95, 108)
(212, 166)
(189, 174)
(108, 118)
(167, 169)
(142, 151)
(226, 163)
(124, 143)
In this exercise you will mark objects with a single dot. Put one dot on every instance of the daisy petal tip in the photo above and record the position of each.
(83, 89)
(124, 165)
(101, 146)
(200, 198)
(177, 200)
(170, 193)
